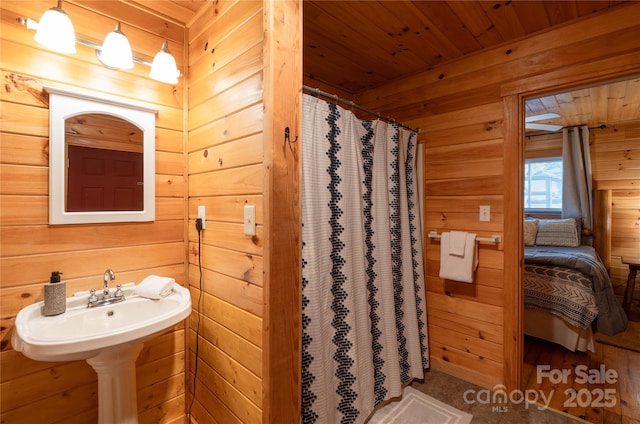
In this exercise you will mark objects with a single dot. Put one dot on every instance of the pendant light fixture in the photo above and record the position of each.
(116, 50)
(55, 31)
(164, 68)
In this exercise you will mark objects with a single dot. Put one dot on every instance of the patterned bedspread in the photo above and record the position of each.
(562, 291)
(611, 318)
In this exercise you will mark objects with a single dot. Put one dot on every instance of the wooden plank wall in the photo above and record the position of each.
(615, 156)
(33, 391)
(543, 146)
(466, 112)
(282, 319)
(225, 156)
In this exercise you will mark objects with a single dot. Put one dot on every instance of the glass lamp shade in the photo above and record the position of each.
(55, 31)
(164, 68)
(116, 50)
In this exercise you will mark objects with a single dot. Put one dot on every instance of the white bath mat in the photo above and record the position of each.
(417, 408)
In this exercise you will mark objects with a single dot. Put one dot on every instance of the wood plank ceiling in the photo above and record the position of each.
(607, 104)
(179, 11)
(353, 46)
(357, 45)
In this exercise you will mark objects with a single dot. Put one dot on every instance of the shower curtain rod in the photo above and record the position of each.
(317, 92)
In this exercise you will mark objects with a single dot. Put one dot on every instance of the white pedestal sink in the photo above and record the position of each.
(108, 337)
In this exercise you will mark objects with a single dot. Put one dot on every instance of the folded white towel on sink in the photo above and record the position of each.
(155, 287)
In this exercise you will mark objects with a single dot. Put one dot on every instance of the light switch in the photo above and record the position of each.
(249, 220)
(485, 213)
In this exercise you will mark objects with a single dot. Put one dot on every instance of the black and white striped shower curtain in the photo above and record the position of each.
(364, 319)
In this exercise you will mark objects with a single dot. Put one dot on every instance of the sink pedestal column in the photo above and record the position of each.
(116, 369)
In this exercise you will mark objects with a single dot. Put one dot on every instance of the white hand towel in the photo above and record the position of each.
(458, 268)
(155, 287)
(457, 241)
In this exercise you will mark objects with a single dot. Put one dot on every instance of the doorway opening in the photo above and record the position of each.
(611, 113)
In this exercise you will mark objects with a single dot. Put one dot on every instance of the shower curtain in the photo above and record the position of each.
(364, 321)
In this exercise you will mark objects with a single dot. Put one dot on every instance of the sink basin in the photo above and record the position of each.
(81, 332)
(108, 337)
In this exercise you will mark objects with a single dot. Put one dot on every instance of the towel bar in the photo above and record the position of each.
(493, 239)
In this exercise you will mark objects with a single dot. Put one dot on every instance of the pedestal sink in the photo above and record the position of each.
(108, 337)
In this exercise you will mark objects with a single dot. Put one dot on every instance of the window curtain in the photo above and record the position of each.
(364, 318)
(577, 195)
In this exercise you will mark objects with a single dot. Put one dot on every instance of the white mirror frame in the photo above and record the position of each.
(64, 103)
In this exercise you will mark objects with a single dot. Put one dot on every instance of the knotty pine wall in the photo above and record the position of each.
(245, 76)
(468, 113)
(225, 156)
(615, 157)
(30, 249)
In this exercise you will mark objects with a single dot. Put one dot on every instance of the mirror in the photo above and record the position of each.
(101, 159)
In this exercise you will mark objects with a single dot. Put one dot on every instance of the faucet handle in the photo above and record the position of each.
(119, 292)
(92, 296)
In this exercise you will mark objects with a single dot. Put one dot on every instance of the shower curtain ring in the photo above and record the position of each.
(287, 136)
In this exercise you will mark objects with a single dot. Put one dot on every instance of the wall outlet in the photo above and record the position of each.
(485, 213)
(202, 215)
(249, 220)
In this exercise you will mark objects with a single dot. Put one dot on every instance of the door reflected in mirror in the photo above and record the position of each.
(105, 164)
(101, 158)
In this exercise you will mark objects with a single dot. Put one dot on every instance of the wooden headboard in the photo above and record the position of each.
(602, 225)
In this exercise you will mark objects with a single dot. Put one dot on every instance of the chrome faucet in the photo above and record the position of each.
(108, 276)
(104, 298)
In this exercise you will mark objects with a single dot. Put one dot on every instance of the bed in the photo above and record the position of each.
(567, 291)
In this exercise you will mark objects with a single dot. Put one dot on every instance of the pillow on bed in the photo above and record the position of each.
(530, 231)
(558, 232)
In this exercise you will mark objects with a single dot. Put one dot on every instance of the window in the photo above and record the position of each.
(543, 184)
